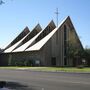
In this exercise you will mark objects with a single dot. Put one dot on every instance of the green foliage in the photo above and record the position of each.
(74, 51)
(22, 62)
(54, 69)
(87, 50)
(87, 55)
(1, 2)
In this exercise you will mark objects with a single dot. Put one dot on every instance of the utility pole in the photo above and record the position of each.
(57, 13)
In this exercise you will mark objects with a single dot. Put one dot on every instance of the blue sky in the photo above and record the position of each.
(15, 15)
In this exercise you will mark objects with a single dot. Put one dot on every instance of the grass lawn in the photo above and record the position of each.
(63, 69)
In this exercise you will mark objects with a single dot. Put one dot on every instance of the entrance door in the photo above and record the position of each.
(65, 61)
(53, 61)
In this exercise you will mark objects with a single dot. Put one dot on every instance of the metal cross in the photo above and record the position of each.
(57, 15)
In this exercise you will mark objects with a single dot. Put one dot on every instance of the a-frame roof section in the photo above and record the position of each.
(42, 42)
(26, 38)
(10, 49)
(72, 26)
(33, 40)
(19, 37)
(51, 26)
(34, 32)
(38, 27)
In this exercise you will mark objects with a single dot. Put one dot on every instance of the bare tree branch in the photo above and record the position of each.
(2, 2)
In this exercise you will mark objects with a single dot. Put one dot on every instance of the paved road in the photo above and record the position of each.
(31, 80)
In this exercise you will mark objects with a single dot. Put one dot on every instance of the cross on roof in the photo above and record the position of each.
(57, 13)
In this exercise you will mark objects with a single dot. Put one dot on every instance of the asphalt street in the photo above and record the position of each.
(35, 80)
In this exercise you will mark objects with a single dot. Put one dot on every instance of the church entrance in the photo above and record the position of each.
(65, 61)
(53, 61)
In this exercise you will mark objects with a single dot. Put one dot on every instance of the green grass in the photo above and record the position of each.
(67, 69)
(63, 69)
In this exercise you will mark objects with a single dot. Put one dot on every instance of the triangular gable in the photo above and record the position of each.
(42, 42)
(51, 26)
(34, 34)
(26, 38)
(19, 37)
(38, 27)
(10, 49)
(72, 26)
(34, 39)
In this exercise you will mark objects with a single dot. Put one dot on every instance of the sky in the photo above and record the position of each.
(15, 15)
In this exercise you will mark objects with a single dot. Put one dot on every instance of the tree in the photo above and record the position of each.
(2, 2)
(75, 53)
(87, 55)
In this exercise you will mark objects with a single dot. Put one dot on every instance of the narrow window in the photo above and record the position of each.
(65, 40)
(65, 45)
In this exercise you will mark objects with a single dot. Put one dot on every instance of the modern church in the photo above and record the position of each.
(47, 47)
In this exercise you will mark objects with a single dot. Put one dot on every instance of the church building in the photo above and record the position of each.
(44, 47)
